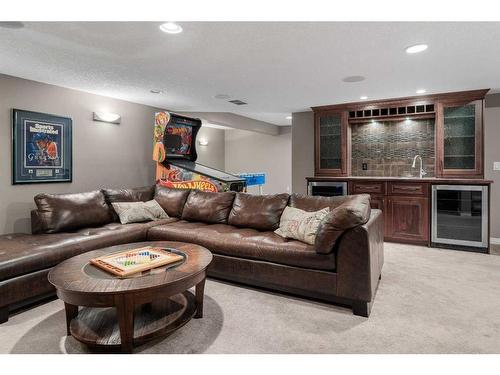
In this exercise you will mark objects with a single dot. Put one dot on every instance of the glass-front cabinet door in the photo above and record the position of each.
(331, 143)
(459, 139)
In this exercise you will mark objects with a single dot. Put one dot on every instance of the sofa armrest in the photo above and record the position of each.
(360, 256)
(353, 212)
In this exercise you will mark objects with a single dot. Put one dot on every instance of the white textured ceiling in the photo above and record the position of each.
(277, 67)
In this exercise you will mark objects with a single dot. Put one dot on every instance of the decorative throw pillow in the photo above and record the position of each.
(300, 225)
(136, 212)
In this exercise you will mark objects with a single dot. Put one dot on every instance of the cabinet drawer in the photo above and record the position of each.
(374, 187)
(420, 189)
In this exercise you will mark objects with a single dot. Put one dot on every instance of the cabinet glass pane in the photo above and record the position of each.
(330, 127)
(459, 137)
(459, 215)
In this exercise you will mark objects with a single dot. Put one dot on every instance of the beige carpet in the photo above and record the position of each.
(429, 301)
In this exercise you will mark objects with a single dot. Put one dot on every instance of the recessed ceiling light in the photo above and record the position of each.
(156, 91)
(352, 79)
(171, 28)
(237, 102)
(288, 117)
(421, 91)
(222, 96)
(416, 48)
(364, 97)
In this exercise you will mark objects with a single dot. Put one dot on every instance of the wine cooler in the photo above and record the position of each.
(460, 217)
(328, 189)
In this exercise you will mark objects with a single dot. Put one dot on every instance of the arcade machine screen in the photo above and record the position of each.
(175, 153)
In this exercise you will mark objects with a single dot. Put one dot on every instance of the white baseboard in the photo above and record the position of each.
(495, 241)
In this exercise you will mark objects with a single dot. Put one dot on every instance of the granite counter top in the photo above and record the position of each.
(434, 180)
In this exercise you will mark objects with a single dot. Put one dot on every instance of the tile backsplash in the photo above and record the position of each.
(387, 148)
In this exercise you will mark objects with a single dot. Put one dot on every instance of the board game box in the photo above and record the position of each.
(132, 261)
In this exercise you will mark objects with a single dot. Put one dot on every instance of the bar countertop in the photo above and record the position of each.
(433, 180)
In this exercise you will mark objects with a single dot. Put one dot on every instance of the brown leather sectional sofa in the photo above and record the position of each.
(343, 267)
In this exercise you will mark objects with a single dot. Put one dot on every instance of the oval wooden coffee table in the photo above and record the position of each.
(120, 313)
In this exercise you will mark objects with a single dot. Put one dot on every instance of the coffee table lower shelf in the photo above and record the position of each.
(98, 328)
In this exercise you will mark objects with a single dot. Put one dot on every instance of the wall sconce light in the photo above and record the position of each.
(111, 118)
(203, 142)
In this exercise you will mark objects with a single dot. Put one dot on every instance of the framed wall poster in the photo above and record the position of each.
(41, 148)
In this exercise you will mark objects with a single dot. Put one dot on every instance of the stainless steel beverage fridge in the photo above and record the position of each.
(460, 217)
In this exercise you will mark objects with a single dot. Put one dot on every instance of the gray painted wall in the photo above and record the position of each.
(491, 154)
(213, 153)
(302, 150)
(104, 155)
(303, 153)
(255, 152)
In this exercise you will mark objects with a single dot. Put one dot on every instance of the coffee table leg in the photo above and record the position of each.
(71, 313)
(125, 312)
(200, 288)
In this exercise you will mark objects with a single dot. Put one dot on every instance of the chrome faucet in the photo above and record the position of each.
(422, 172)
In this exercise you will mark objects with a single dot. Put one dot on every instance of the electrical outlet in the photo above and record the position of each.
(496, 165)
(364, 166)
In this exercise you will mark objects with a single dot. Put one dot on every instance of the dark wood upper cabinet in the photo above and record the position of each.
(458, 130)
(331, 137)
(459, 139)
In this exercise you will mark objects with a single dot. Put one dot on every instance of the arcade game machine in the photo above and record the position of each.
(175, 155)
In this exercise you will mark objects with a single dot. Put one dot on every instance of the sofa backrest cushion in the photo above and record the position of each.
(315, 203)
(261, 212)
(68, 212)
(138, 194)
(208, 207)
(353, 212)
(171, 200)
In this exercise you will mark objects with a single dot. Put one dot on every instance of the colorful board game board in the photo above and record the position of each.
(132, 261)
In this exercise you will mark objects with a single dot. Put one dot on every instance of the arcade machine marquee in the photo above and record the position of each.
(175, 155)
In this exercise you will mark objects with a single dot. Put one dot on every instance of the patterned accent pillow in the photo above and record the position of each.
(300, 225)
(136, 212)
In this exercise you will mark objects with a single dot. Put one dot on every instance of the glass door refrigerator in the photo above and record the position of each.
(460, 217)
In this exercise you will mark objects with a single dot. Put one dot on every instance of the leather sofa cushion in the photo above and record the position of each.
(138, 194)
(315, 203)
(261, 212)
(68, 212)
(171, 200)
(24, 253)
(246, 243)
(353, 212)
(208, 207)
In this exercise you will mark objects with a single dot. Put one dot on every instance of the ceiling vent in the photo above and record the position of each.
(237, 102)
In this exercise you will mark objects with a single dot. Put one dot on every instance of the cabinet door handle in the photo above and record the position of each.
(368, 188)
(413, 188)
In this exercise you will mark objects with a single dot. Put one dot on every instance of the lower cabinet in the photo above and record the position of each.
(407, 219)
(405, 206)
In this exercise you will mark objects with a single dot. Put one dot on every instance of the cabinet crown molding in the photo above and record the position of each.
(430, 98)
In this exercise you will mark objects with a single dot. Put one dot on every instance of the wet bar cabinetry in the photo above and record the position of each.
(407, 204)
(372, 146)
(447, 132)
